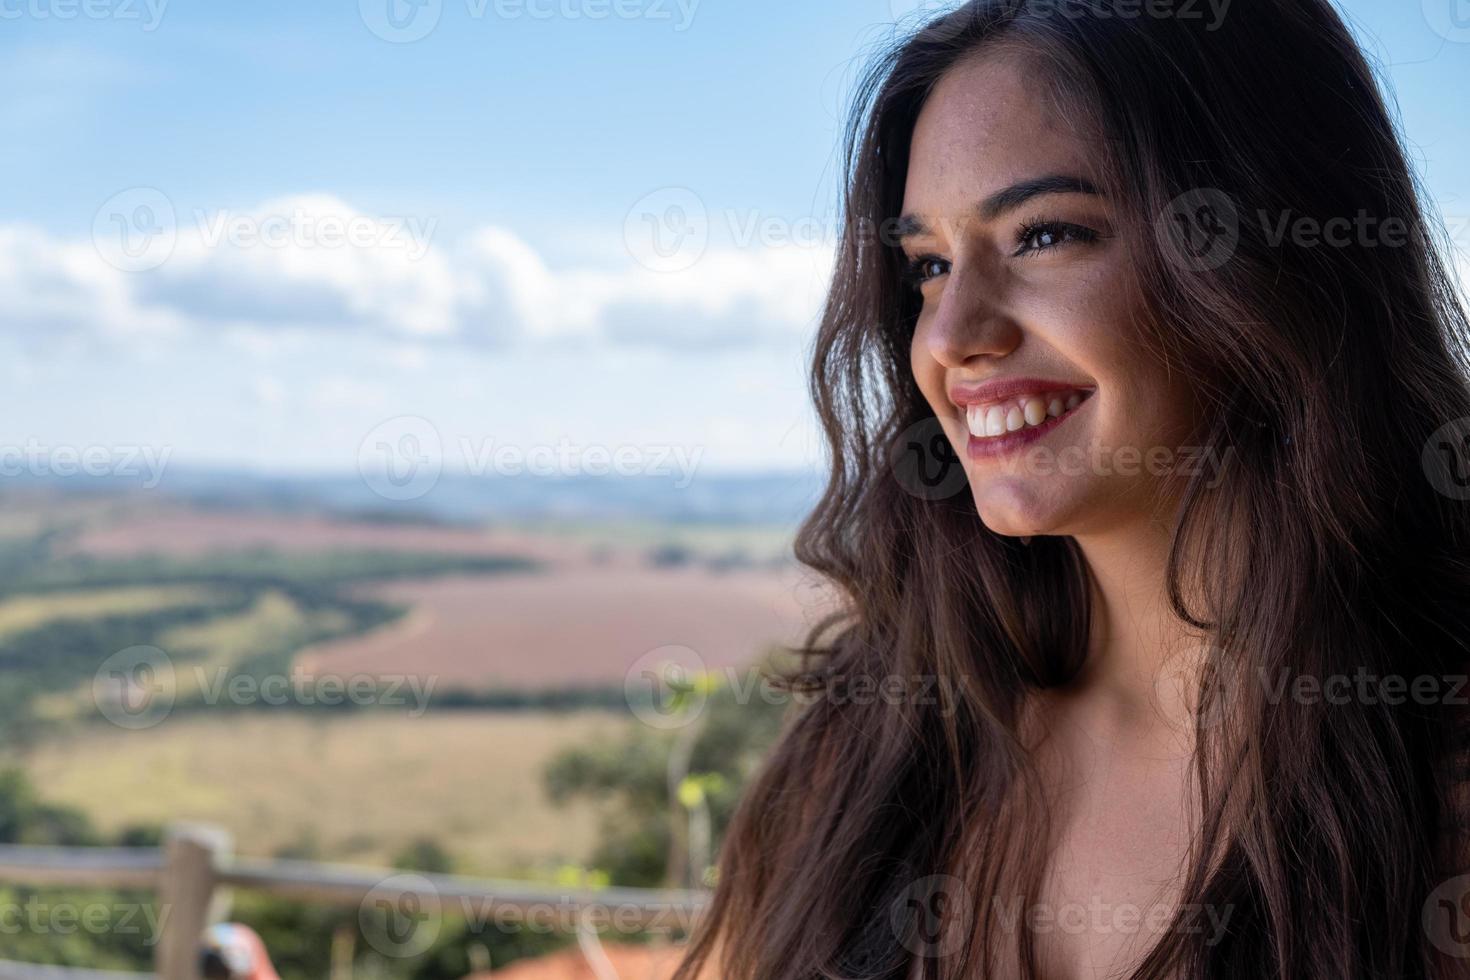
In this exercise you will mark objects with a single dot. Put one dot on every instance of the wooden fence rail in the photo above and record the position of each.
(194, 872)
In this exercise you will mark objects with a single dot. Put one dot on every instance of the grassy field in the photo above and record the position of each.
(184, 533)
(759, 544)
(274, 620)
(595, 599)
(354, 788)
(28, 612)
(572, 627)
(517, 612)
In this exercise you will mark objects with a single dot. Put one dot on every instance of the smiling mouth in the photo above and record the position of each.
(999, 426)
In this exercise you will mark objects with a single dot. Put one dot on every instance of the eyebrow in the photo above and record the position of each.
(1009, 198)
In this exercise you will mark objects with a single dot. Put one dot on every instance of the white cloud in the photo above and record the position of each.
(310, 264)
(51, 288)
(730, 297)
(268, 391)
(337, 392)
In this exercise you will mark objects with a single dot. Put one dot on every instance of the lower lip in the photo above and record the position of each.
(996, 446)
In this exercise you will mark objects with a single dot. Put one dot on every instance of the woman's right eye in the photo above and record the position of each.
(924, 268)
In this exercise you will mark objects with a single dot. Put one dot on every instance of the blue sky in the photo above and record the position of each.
(500, 170)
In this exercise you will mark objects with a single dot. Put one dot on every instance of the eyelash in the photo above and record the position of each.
(1078, 234)
(1067, 232)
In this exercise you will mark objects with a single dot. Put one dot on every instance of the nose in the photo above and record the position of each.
(970, 323)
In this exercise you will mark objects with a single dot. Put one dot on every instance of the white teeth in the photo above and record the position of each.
(995, 421)
(989, 421)
(975, 416)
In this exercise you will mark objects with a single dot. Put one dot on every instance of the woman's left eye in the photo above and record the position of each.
(1042, 235)
(918, 271)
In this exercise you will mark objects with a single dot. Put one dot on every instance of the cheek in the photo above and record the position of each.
(928, 373)
(1091, 320)
(1141, 401)
(1096, 324)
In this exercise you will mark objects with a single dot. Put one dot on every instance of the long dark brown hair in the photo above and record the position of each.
(1325, 548)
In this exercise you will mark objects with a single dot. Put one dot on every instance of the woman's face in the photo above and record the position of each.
(1027, 347)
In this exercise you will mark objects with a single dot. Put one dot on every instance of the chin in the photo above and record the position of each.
(1019, 508)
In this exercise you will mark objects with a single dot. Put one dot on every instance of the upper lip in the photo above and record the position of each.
(1000, 389)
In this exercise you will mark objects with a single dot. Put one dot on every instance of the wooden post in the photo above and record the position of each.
(188, 898)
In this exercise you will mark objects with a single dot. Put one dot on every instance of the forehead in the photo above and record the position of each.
(991, 121)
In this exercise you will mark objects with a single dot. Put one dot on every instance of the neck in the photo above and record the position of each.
(1136, 638)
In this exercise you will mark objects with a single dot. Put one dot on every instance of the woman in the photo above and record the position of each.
(1145, 387)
